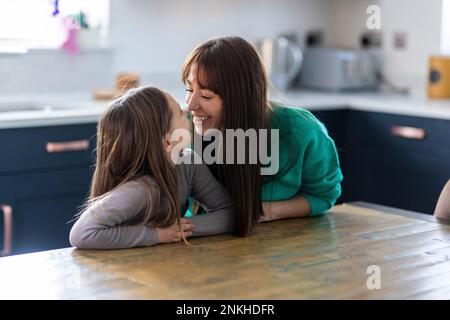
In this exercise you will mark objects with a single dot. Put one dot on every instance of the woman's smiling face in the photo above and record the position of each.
(204, 104)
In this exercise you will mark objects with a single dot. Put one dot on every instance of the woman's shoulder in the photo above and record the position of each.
(298, 121)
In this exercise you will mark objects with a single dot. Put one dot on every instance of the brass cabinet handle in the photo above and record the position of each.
(408, 132)
(76, 145)
(8, 229)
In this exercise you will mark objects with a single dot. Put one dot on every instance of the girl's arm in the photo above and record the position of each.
(214, 198)
(102, 226)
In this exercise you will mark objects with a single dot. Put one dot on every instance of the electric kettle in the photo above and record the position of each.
(282, 59)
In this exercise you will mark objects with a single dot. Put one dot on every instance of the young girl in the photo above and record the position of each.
(138, 194)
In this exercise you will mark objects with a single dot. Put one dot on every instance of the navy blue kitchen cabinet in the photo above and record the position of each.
(398, 160)
(394, 160)
(400, 179)
(45, 176)
(43, 205)
(336, 124)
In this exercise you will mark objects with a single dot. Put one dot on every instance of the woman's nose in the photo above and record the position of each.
(192, 103)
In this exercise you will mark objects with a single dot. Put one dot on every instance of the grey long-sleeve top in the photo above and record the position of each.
(110, 222)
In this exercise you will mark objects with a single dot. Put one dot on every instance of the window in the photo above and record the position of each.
(43, 23)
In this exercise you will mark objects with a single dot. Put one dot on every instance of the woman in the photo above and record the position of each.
(227, 89)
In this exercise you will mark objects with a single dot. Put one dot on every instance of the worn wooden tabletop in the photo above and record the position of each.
(345, 254)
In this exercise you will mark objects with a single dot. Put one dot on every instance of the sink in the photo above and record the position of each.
(26, 106)
(20, 107)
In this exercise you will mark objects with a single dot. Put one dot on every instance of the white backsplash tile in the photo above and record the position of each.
(54, 71)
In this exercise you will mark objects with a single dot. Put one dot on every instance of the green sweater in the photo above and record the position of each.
(309, 164)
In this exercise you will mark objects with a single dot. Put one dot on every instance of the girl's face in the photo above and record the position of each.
(204, 104)
(179, 121)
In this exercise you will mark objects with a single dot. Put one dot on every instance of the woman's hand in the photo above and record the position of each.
(173, 233)
(267, 212)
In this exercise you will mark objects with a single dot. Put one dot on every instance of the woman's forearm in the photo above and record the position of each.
(291, 208)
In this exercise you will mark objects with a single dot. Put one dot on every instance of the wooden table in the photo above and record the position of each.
(316, 258)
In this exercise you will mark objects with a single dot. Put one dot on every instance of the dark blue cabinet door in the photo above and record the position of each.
(43, 204)
(385, 168)
(399, 179)
(395, 170)
(336, 123)
(44, 188)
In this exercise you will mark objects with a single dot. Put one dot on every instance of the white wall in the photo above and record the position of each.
(445, 27)
(420, 19)
(154, 37)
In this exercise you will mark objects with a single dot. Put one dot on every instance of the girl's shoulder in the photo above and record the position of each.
(135, 188)
(189, 156)
(130, 196)
(190, 163)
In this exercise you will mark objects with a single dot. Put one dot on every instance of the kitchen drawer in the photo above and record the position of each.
(46, 147)
(400, 132)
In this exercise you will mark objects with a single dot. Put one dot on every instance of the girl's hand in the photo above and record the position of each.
(173, 233)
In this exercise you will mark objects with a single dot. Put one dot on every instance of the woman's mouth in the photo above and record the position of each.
(200, 118)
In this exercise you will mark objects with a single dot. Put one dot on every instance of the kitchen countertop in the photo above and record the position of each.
(59, 109)
(80, 108)
(325, 257)
(414, 105)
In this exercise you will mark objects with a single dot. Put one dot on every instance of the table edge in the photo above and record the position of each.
(399, 212)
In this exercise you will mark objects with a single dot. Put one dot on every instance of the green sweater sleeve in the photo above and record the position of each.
(309, 164)
(321, 171)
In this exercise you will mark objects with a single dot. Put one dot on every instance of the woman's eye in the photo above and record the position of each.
(206, 97)
(189, 90)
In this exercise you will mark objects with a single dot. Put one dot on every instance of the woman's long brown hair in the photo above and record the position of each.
(232, 68)
(130, 145)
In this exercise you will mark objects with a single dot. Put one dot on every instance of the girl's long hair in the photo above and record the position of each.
(232, 68)
(130, 145)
